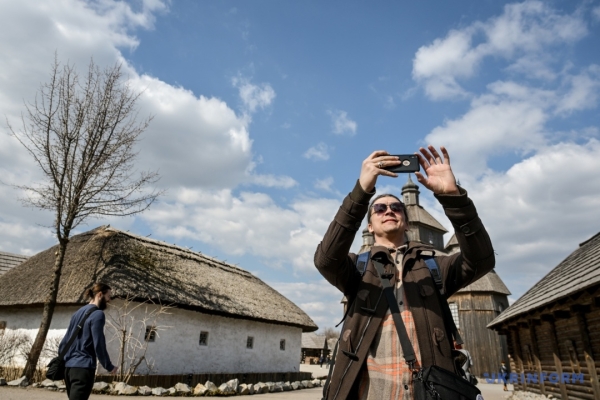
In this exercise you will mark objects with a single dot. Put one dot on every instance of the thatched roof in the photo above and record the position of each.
(9, 260)
(580, 270)
(150, 269)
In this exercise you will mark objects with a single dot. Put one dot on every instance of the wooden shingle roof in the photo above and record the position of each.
(417, 214)
(9, 260)
(580, 270)
(452, 243)
(490, 282)
(150, 270)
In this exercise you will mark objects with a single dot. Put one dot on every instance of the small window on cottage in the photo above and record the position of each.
(454, 311)
(150, 335)
(250, 342)
(203, 338)
(282, 344)
(2, 325)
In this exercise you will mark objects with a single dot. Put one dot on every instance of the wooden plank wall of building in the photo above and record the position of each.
(487, 348)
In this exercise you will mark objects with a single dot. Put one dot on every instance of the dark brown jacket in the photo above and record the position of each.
(338, 266)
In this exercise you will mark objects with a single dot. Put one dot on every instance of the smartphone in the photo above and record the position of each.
(410, 163)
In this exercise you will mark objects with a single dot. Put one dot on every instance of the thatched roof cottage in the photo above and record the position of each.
(223, 319)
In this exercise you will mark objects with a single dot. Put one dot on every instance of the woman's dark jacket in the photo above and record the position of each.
(458, 270)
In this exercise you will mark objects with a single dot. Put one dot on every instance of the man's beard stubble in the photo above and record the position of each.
(103, 303)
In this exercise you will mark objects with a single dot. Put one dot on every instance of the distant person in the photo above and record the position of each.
(328, 362)
(504, 374)
(321, 360)
(80, 360)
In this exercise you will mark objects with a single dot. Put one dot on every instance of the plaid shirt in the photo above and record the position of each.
(387, 376)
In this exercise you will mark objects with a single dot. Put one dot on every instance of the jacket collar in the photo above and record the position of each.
(412, 251)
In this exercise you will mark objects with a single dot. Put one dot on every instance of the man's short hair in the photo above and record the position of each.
(380, 197)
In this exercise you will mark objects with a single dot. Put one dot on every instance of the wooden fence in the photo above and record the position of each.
(167, 381)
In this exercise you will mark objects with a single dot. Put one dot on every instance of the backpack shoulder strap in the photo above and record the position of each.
(78, 328)
(436, 274)
(361, 262)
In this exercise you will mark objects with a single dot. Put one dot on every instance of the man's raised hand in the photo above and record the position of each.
(440, 178)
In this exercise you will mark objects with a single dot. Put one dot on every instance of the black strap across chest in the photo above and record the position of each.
(76, 332)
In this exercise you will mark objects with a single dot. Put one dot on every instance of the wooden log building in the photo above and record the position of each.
(314, 347)
(473, 308)
(553, 330)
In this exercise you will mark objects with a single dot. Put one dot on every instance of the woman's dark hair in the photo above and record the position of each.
(97, 288)
(382, 196)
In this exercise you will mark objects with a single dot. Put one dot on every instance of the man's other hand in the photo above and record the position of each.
(440, 178)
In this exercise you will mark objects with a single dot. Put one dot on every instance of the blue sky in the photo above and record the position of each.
(264, 110)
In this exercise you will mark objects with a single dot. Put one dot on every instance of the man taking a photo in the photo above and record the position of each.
(369, 364)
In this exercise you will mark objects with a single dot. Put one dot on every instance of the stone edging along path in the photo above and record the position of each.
(230, 388)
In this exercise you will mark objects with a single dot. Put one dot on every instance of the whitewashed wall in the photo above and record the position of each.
(176, 349)
(27, 320)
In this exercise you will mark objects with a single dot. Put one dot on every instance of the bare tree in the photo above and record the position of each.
(12, 345)
(134, 325)
(50, 349)
(82, 134)
(331, 333)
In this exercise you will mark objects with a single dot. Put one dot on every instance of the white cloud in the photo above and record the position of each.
(254, 96)
(596, 13)
(192, 141)
(251, 223)
(583, 91)
(200, 146)
(76, 31)
(493, 126)
(522, 35)
(540, 209)
(318, 298)
(324, 184)
(272, 181)
(440, 63)
(319, 152)
(341, 124)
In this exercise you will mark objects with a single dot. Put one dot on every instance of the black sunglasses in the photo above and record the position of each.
(380, 208)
